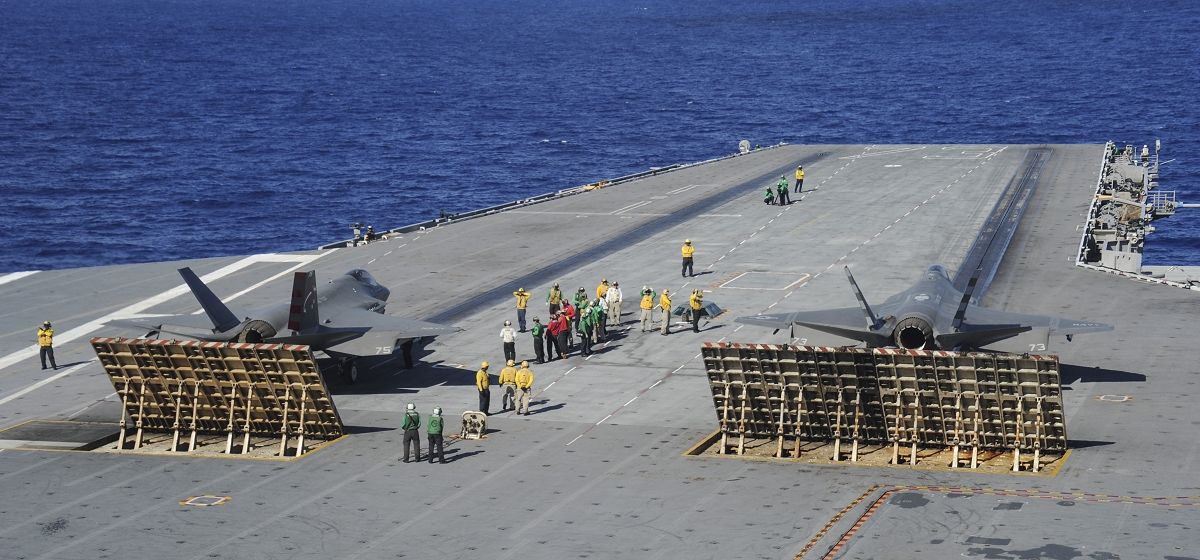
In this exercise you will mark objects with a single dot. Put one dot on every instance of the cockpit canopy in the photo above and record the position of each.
(374, 288)
(938, 270)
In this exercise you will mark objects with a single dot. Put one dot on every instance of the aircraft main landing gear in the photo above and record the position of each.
(349, 371)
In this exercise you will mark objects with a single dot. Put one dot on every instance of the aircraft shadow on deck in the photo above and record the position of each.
(453, 455)
(354, 430)
(546, 408)
(1069, 374)
(390, 379)
(1083, 443)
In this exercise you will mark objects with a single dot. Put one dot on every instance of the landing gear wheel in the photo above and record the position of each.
(349, 371)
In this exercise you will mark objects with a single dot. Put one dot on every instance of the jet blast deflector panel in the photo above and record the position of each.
(185, 388)
(858, 396)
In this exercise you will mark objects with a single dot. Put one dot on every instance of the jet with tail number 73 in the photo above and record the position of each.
(344, 319)
(931, 315)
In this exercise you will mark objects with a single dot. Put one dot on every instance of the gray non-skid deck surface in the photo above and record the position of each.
(596, 471)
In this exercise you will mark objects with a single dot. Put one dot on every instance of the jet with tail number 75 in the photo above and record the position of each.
(931, 315)
(344, 319)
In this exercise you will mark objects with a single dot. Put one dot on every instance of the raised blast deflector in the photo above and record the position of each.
(886, 397)
(188, 388)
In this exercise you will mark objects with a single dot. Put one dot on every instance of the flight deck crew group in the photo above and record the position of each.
(580, 315)
(411, 425)
(780, 194)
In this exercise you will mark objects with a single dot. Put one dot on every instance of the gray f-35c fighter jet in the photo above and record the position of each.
(931, 315)
(350, 323)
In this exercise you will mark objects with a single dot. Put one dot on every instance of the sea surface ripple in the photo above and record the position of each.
(147, 130)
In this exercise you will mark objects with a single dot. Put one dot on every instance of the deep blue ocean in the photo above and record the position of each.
(145, 130)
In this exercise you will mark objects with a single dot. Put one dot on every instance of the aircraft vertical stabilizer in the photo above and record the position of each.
(222, 318)
(302, 314)
(873, 322)
(965, 302)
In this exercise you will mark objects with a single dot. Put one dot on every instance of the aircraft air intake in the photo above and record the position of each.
(914, 333)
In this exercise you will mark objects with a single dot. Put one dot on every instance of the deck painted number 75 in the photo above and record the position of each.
(383, 349)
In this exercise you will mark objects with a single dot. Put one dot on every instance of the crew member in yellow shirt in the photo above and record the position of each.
(522, 300)
(696, 302)
(647, 306)
(554, 298)
(688, 250)
(664, 303)
(485, 393)
(508, 387)
(524, 388)
(799, 178)
(46, 342)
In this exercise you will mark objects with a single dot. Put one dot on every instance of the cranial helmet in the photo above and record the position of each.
(687, 241)
(411, 406)
(437, 411)
(484, 365)
(525, 364)
(510, 362)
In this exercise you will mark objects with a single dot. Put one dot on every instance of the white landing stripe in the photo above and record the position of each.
(633, 206)
(45, 381)
(16, 276)
(132, 310)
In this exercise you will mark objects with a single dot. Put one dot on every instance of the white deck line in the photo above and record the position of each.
(16, 276)
(132, 310)
(45, 381)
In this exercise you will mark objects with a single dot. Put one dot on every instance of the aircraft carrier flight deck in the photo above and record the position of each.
(600, 469)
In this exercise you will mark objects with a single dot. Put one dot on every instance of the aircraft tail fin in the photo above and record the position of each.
(222, 318)
(303, 311)
(966, 300)
(873, 322)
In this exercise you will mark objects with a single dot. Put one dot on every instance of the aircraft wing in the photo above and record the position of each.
(380, 332)
(846, 322)
(981, 317)
(846, 317)
(198, 327)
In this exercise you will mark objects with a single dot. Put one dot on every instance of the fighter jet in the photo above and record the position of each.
(931, 315)
(350, 325)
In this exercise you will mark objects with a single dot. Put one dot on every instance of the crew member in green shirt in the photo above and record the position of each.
(410, 425)
(781, 191)
(435, 435)
(539, 334)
